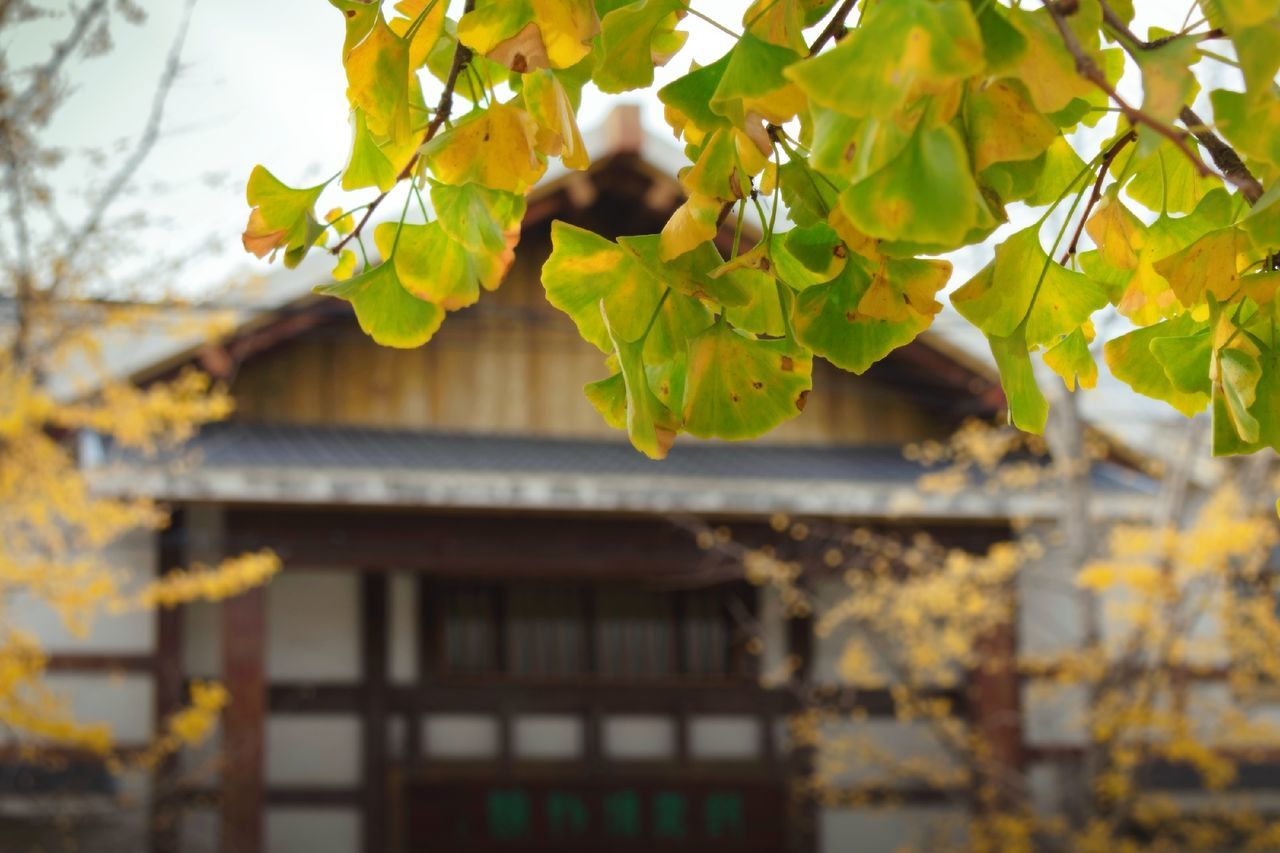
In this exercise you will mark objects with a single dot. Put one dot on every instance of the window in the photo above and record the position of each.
(606, 631)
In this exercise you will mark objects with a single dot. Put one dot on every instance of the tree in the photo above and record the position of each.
(865, 144)
(58, 312)
(1134, 641)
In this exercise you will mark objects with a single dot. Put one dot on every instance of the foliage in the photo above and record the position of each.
(58, 529)
(1181, 671)
(908, 130)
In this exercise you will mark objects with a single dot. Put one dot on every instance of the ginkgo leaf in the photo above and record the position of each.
(1028, 409)
(494, 147)
(548, 104)
(762, 313)
(903, 48)
(739, 387)
(479, 218)
(688, 101)
(1167, 81)
(1062, 168)
(1131, 360)
(385, 310)
(779, 22)
(753, 83)
(666, 346)
(1262, 417)
(826, 319)
(1119, 234)
(346, 265)
(378, 82)
(1002, 44)
(690, 273)
(629, 39)
(359, 16)
(904, 290)
(694, 222)
(428, 18)
(925, 195)
(650, 426)
(1186, 360)
(725, 166)
(1166, 181)
(1004, 125)
(1046, 66)
(1262, 225)
(1255, 35)
(281, 217)
(372, 164)
(1070, 358)
(1211, 264)
(809, 255)
(433, 266)
(583, 269)
(1248, 123)
(808, 196)
(1236, 390)
(1023, 289)
(608, 396)
(525, 35)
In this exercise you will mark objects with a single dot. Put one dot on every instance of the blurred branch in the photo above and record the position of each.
(119, 181)
(43, 76)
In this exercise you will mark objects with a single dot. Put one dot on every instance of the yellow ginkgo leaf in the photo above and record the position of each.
(495, 147)
(549, 105)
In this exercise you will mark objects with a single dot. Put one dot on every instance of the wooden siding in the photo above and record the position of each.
(514, 365)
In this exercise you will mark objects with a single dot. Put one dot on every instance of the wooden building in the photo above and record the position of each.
(489, 635)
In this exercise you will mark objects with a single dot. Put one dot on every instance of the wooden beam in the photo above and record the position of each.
(244, 626)
(164, 814)
(375, 652)
(88, 662)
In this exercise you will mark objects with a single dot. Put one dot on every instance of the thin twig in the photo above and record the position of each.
(1107, 159)
(461, 56)
(1089, 69)
(835, 28)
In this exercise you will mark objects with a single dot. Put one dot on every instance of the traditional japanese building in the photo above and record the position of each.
(492, 631)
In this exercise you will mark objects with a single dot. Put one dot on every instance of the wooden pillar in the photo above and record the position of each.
(374, 654)
(803, 830)
(164, 815)
(996, 706)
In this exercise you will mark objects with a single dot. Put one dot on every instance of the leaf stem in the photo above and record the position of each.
(712, 21)
(657, 309)
(1108, 157)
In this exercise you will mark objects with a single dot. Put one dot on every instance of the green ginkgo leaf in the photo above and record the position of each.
(808, 196)
(373, 163)
(1070, 358)
(650, 426)
(753, 83)
(809, 255)
(608, 396)
(688, 100)
(1003, 125)
(282, 217)
(480, 218)
(1023, 288)
(902, 49)
(740, 387)
(585, 268)
(1186, 360)
(385, 310)
(378, 82)
(690, 273)
(826, 319)
(1237, 388)
(666, 346)
(1249, 123)
(1028, 409)
(1262, 417)
(1132, 361)
(436, 267)
(1166, 181)
(926, 195)
(1167, 81)
(630, 36)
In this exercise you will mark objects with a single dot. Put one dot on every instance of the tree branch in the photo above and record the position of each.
(1089, 70)
(461, 56)
(1107, 159)
(119, 181)
(1224, 156)
(43, 75)
(835, 28)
